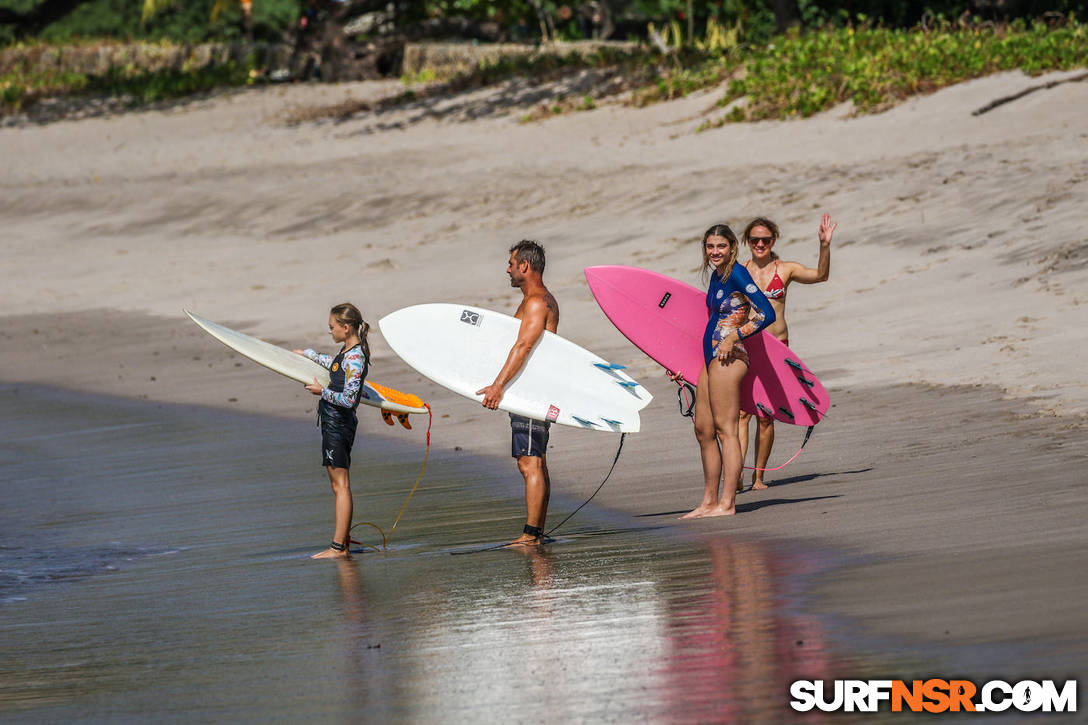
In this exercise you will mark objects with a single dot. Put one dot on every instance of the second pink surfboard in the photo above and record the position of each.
(665, 318)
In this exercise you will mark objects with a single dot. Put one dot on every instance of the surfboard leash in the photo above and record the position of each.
(550, 531)
(685, 396)
(386, 537)
(808, 434)
(615, 460)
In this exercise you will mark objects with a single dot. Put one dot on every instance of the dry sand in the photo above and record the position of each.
(950, 335)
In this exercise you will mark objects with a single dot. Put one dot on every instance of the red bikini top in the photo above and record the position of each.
(775, 290)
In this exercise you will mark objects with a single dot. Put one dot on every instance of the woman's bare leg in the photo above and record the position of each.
(764, 442)
(708, 449)
(724, 393)
(742, 434)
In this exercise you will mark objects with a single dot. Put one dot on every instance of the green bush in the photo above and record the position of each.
(18, 90)
(803, 74)
(187, 21)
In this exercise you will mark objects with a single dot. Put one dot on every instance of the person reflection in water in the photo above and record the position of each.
(738, 641)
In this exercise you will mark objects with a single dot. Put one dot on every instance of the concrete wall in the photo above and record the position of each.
(99, 58)
(444, 59)
(447, 59)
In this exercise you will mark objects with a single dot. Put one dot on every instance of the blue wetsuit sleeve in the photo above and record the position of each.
(353, 382)
(763, 315)
(324, 361)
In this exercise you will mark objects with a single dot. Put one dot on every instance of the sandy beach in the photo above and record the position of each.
(949, 471)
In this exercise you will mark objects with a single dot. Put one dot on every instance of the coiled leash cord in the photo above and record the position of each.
(685, 396)
(552, 530)
(386, 537)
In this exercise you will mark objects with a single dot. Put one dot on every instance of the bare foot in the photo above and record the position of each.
(698, 513)
(331, 553)
(721, 511)
(759, 486)
(527, 540)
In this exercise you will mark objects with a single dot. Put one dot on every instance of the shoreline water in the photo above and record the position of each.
(842, 597)
(151, 596)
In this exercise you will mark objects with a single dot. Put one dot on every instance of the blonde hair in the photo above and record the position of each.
(720, 230)
(348, 314)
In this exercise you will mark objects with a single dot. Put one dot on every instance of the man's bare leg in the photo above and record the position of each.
(341, 488)
(538, 490)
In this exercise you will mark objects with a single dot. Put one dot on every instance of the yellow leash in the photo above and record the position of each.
(386, 537)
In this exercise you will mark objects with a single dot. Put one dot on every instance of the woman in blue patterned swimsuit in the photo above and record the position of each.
(336, 413)
(731, 298)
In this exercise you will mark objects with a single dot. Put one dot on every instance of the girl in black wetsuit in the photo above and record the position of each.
(336, 412)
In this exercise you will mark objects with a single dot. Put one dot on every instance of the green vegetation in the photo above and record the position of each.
(795, 74)
(19, 89)
(799, 75)
(188, 21)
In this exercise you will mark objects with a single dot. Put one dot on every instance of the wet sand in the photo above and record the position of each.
(177, 583)
(179, 535)
(941, 499)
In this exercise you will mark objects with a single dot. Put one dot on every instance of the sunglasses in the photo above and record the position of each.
(764, 240)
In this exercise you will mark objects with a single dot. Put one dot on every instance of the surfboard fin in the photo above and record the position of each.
(809, 404)
(787, 413)
(613, 423)
(584, 422)
(765, 410)
(387, 417)
(609, 366)
(403, 418)
(627, 383)
(805, 381)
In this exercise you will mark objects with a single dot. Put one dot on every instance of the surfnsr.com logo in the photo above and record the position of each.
(933, 695)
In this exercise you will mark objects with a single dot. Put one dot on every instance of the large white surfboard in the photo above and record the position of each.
(462, 348)
(303, 369)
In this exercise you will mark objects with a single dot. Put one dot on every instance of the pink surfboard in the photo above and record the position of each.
(665, 318)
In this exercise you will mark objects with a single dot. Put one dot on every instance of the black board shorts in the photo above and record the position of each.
(337, 434)
(528, 437)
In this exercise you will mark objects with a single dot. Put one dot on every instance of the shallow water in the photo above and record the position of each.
(154, 559)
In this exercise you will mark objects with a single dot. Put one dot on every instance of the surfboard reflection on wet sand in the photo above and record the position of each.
(176, 582)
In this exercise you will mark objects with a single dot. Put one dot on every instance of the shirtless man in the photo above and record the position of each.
(538, 311)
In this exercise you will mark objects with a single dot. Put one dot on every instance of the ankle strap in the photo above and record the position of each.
(338, 547)
(533, 531)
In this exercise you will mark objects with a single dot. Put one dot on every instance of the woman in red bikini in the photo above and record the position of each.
(773, 276)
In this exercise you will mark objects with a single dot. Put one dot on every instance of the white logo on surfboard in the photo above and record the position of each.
(751, 289)
(720, 293)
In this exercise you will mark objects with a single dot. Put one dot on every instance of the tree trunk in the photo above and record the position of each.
(786, 14)
(547, 32)
(691, 25)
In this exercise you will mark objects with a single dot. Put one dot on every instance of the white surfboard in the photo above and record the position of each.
(462, 348)
(303, 369)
